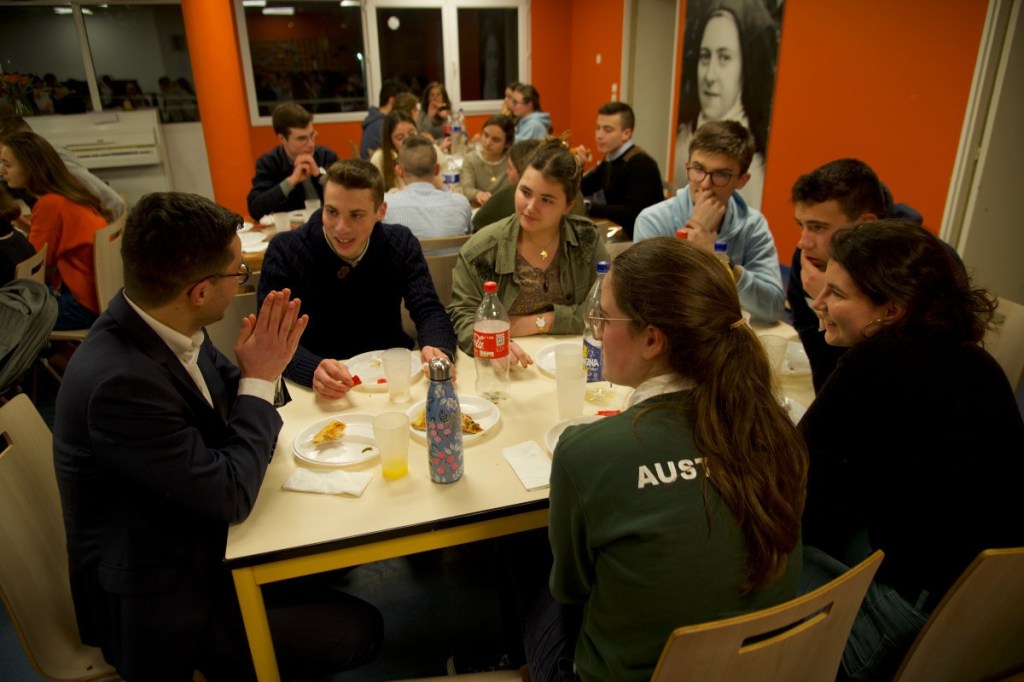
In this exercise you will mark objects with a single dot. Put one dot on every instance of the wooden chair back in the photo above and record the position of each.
(441, 254)
(802, 639)
(34, 571)
(33, 267)
(107, 260)
(1006, 341)
(977, 630)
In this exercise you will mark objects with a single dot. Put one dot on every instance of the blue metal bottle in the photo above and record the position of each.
(444, 425)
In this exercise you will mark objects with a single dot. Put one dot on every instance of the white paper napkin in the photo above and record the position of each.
(328, 482)
(530, 463)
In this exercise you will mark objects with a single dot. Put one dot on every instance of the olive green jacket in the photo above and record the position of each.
(490, 254)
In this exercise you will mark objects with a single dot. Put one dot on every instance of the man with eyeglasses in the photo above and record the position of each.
(709, 209)
(293, 172)
(160, 442)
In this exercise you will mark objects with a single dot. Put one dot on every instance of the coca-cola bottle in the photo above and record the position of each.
(490, 346)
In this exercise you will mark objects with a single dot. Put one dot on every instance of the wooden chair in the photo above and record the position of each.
(802, 639)
(34, 571)
(977, 630)
(33, 267)
(1006, 341)
(441, 254)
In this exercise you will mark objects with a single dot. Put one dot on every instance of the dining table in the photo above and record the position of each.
(291, 534)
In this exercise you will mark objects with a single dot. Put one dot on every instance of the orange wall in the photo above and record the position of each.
(886, 82)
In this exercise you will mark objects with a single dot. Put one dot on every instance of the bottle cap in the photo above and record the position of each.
(602, 267)
(682, 234)
(490, 287)
(440, 369)
(719, 247)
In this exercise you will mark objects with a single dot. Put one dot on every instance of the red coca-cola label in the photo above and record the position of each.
(490, 345)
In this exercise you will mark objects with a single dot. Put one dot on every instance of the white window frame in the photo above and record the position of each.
(450, 51)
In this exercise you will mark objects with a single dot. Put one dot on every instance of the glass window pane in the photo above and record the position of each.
(141, 59)
(411, 45)
(488, 52)
(41, 62)
(314, 57)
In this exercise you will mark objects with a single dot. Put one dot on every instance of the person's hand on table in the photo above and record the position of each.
(482, 197)
(518, 356)
(267, 343)
(428, 353)
(332, 380)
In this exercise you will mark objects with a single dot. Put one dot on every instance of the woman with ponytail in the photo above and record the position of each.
(684, 508)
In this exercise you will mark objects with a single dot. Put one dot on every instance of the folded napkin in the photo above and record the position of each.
(530, 463)
(328, 482)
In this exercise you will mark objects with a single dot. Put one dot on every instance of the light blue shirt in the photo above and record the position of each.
(748, 241)
(428, 211)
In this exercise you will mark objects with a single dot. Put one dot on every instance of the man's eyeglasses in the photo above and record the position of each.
(243, 275)
(597, 323)
(696, 174)
(518, 101)
(303, 139)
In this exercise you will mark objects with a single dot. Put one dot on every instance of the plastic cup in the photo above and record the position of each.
(776, 347)
(282, 221)
(311, 206)
(398, 371)
(391, 431)
(570, 379)
(796, 358)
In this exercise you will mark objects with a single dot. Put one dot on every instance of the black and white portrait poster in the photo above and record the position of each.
(730, 53)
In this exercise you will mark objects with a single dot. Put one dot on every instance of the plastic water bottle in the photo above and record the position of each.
(491, 341)
(458, 147)
(723, 257)
(596, 391)
(444, 424)
(450, 175)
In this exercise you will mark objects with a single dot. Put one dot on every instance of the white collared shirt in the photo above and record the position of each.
(186, 349)
(659, 385)
(620, 151)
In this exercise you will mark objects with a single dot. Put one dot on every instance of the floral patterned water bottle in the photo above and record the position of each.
(444, 424)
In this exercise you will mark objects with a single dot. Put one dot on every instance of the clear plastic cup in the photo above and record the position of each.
(391, 431)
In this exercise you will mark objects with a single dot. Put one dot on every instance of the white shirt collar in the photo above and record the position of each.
(620, 151)
(659, 385)
(184, 347)
(354, 262)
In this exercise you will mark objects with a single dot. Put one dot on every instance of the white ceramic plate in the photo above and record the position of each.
(369, 367)
(255, 248)
(545, 358)
(251, 239)
(483, 411)
(795, 409)
(555, 432)
(358, 444)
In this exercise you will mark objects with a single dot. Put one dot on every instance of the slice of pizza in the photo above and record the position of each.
(420, 422)
(333, 431)
(469, 425)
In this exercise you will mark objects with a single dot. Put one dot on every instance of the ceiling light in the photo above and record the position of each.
(282, 11)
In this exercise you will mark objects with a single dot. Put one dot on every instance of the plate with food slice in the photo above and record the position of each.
(337, 441)
(479, 415)
(369, 367)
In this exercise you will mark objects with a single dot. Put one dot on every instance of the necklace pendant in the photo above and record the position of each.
(544, 254)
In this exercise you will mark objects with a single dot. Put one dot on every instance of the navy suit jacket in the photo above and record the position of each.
(150, 476)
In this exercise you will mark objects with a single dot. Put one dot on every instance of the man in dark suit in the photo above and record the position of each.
(627, 180)
(160, 443)
(292, 172)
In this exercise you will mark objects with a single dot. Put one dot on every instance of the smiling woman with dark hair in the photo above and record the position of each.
(914, 439)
